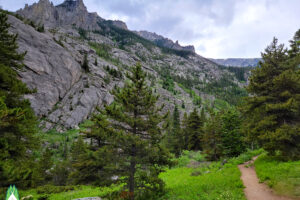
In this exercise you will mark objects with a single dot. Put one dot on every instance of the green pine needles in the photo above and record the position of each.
(273, 109)
(17, 119)
(129, 132)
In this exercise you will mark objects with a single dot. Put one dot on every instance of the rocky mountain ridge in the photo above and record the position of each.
(238, 62)
(67, 95)
(164, 42)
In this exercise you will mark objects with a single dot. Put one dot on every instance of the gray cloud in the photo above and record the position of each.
(217, 28)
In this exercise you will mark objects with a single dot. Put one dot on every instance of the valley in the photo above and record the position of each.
(92, 109)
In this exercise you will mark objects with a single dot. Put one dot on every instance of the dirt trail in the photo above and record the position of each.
(255, 190)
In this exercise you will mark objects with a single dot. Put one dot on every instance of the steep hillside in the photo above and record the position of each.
(57, 38)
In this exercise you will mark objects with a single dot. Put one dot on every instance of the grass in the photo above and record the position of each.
(283, 177)
(219, 184)
(207, 182)
(59, 141)
(78, 192)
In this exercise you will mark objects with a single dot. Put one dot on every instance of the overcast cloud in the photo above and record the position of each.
(217, 28)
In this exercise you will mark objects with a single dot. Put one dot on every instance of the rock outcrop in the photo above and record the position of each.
(69, 13)
(120, 24)
(164, 42)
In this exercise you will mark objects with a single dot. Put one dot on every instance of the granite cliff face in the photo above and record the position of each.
(164, 42)
(67, 95)
(69, 13)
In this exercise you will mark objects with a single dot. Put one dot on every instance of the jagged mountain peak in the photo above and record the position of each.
(69, 13)
(73, 5)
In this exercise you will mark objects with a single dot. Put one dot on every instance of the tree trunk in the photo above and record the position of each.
(131, 174)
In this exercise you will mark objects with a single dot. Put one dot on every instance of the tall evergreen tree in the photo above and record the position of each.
(273, 108)
(232, 137)
(177, 133)
(174, 135)
(136, 135)
(18, 123)
(94, 163)
(42, 174)
(212, 139)
(193, 132)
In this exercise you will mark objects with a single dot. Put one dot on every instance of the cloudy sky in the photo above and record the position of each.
(217, 28)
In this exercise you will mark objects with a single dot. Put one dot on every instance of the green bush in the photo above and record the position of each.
(50, 189)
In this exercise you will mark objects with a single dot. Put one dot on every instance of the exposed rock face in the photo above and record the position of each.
(50, 68)
(238, 62)
(119, 24)
(69, 13)
(66, 95)
(164, 42)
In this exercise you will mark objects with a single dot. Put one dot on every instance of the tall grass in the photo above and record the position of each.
(208, 181)
(283, 177)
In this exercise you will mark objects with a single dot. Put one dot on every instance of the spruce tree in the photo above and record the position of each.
(193, 132)
(177, 133)
(136, 134)
(273, 109)
(18, 122)
(94, 163)
(212, 138)
(232, 137)
(42, 172)
(174, 134)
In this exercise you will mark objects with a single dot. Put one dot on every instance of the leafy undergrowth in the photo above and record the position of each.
(203, 180)
(76, 192)
(208, 182)
(283, 177)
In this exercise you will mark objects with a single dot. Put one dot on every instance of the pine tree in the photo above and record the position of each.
(184, 124)
(232, 137)
(94, 163)
(134, 122)
(193, 132)
(82, 163)
(85, 63)
(174, 134)
(177, 133)
(8, 45)
(212, 139)
(18, 122)
(273, 108)
(42, 171)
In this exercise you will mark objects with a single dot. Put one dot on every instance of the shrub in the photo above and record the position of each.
(41, 28)
(49, 189)
(85, 63)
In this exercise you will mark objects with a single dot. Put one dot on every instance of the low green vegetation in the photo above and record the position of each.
(68, 193)
(282, 176)
(104, 51)
(205, 180)
(192, 177)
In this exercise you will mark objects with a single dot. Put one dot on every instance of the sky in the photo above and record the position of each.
(217, 28)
